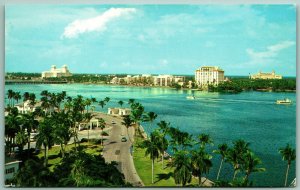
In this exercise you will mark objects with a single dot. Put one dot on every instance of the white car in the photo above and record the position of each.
(113, 122)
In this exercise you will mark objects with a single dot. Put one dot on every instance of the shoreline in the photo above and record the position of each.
(140, 86)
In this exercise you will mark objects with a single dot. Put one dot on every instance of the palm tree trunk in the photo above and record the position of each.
(162, 157)
(46, 155)
(246, 176)
(62, 150)
(235, 172)
(199, 178)
(286, 175)
(152, 170)
(220, 169)
(102, 138)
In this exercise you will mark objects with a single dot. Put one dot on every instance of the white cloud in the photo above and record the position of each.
(163, 62)
(271, 51)
(98, 23)
(126, 64)
(103, 65)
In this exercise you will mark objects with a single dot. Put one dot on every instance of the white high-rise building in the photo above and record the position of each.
(54, 72)
(209, 75)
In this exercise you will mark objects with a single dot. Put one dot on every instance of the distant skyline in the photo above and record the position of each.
(154, 39)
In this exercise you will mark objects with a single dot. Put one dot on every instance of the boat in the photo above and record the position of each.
(284, 101)
(190, 97)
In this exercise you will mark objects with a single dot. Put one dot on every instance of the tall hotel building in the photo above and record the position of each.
(209, 75)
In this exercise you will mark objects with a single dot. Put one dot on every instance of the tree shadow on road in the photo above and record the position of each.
(163, 176)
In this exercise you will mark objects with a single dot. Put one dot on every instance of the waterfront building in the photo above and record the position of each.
(261, 75)
(56, 73)
(209, 75)
(167, 80)
(25, 107)
(119, 111)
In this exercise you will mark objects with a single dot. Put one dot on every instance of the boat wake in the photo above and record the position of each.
(235, 100)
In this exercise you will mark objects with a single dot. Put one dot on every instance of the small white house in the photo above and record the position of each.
(11, 168)
(119, 111)
(25, 107)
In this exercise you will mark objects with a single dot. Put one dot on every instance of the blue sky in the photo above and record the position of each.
(154, 39)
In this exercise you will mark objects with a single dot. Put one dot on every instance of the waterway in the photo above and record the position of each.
(252, 116)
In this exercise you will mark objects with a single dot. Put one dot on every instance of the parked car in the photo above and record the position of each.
(123, 139)
(113, 122)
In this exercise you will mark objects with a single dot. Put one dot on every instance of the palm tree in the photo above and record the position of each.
(45, 137)
(201, 163)
(152, 149)
(29, 123)
(102, 126)
(250, 164)
(120, 103)
(17, 96)
(164, 127)
(131, 101)
(62, 136)
(106, 99)
(288, 154)
(233, 157)
(174, 133)
(182, 163)
(61, 132)
(21, 140)
(12, 126)
(87, 103)
(93, 100)
(32, 100)
(236, 155)
(222, 150)
(45, 105)
(10, 95)
(45, 93)
(102, 103)
(150, 117)
(136, 114)
(204, 139)
(25, 98)
(241, 146)
(127, 122)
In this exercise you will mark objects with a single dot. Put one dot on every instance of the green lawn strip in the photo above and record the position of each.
(162, 177)
(54, 158)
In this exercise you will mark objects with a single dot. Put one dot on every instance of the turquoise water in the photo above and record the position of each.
(252, 116)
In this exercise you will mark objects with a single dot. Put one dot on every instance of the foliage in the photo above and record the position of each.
(237, 85)
(84, 170)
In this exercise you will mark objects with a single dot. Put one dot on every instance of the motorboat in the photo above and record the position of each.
(190, 97)
(284, 101)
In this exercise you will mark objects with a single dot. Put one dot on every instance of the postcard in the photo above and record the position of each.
(150, 95)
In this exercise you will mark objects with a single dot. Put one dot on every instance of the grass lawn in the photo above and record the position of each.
(54, 158)
(143, 166)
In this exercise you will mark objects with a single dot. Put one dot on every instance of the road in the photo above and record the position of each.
(115, 150)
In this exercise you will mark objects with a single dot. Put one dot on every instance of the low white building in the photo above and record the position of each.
(119, 111)
(56, 73)
(25, 107)
(11, 168)
(261, 75)
(167, 80)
